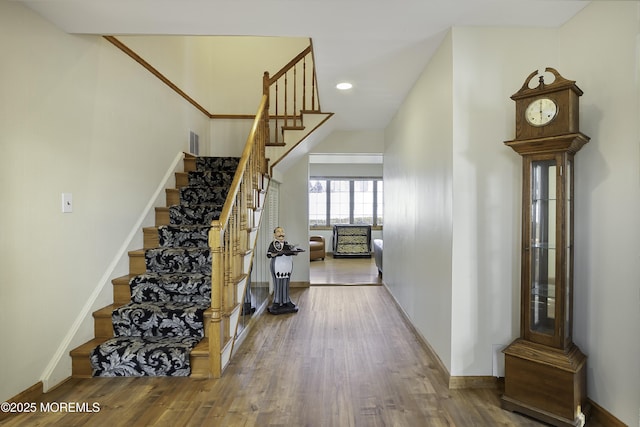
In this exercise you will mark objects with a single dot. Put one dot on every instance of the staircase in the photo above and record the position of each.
(177, 311)
(156, 324)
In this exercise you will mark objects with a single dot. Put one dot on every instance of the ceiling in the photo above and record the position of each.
(381, 46)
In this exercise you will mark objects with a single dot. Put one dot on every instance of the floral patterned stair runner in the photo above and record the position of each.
(155, 333)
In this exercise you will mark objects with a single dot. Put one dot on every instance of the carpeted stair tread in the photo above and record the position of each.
(226, 164)
(183, 235)
(159, 319)
(178, 260)
(210, 178)
(143, 356)
(187, 287)
(194, 214)
(163, 323)
(202, 195)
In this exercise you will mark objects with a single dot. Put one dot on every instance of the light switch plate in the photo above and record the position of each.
(67, 203)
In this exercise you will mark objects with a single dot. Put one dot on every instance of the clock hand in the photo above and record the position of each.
(540, 102)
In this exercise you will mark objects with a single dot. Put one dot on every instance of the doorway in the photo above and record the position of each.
(344, 271)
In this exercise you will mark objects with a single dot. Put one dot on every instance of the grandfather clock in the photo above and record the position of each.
(545, 372)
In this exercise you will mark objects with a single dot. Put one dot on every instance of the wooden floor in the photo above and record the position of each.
(344, 271)
(347, 358)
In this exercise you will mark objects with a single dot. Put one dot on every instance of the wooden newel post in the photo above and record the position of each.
(217, 280)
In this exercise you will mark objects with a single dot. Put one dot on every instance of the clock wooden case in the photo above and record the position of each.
(545, 372)
(561, 92)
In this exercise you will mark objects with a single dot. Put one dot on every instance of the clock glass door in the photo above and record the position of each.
(568, 244)
(542, 247)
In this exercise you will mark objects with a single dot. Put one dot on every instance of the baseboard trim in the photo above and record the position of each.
(51, 376)
(603, 416)
(440, 367)
(299, 284)
(472, 382)
(31, 394)
(598, 413)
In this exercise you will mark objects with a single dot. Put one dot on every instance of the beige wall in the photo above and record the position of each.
(208, 63)
(70, 124)
(293, 212)
(77, 116)
(489, 65)
(599, 48)
(418, 203)
(452, 202)
(203, 66)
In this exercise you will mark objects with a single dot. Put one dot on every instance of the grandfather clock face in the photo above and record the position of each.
(550, 108)
(541, 112)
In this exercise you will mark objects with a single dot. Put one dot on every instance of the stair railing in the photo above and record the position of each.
(292, 91)
(228, 238)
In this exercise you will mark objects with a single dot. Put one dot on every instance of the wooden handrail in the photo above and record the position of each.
(293, 102)
(117, 43)
(290, 65)
(244, 159)
(228, 237)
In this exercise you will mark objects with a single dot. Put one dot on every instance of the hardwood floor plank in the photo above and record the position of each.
(347, 358)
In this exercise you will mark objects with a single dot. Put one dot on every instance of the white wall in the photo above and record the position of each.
(600, 49)
(489, 65)
(452, 205)
(78, 116)
(418, 180)
(294, 213)
(352, 142)
(207, 64)
(203, 66)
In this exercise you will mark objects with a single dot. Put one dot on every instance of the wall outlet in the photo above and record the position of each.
(67, 203)
(498, 360)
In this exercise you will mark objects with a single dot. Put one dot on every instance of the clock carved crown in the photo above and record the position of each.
(547, 110)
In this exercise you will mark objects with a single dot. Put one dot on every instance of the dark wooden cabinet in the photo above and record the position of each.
(352, 241)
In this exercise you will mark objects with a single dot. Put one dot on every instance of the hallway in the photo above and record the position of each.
(347, 358)
(344, 271)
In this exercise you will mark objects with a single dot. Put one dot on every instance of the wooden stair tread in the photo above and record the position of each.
(201, 349)
(86, 348)
(123, 279)
(103, 326)
(121, 289)
(106, 311)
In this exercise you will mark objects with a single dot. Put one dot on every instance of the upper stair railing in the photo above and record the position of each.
(286, 96)
(292, 91)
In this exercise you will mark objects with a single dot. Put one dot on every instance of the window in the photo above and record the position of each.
(345, 201)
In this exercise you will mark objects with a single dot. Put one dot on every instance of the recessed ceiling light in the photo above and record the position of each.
(344, 86)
